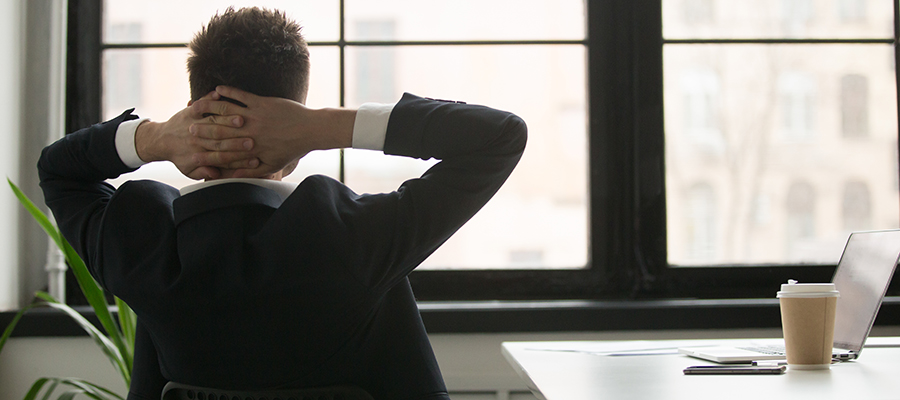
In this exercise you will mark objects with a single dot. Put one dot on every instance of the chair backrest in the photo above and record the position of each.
(178, 391)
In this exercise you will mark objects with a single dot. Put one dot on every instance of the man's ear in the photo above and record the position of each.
(190, 102)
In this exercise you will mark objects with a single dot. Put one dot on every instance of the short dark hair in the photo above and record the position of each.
(253, 49)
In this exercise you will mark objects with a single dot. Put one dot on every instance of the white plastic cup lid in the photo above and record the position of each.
(794, 289)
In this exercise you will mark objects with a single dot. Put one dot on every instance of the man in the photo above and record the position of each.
(253, 283)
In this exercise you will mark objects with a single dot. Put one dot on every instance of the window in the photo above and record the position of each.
(123, 70)
(702, 224)
(851, 11)
(698, 11)
(502, 53)
(795, 15)
(854, 105)
(857, 206)
(801, 222)
(797, 95)
(701, 100)
(792, 83)
(673, 143)
(375, 67)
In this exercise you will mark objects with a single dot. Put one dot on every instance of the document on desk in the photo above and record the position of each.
(612, 348)
(658, 347)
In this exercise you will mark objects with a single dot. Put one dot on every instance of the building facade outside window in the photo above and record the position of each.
(702, 226)
(854, 105)
(797, 96)
(795, 80)
(857, 206)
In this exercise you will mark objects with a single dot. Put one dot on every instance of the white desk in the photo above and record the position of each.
(586, 370)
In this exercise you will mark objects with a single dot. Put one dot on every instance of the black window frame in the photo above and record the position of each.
(627, 254)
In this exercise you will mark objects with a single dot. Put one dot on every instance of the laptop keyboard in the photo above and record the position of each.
(772, 350)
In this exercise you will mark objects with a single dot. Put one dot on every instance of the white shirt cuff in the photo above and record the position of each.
(125, 143)
(370, 126)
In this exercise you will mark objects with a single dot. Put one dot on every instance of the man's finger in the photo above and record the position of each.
(215, 132)
(249, 99)
(243, 164)
(236, 144)
(225, 120)
(213, 95)
(215, 107)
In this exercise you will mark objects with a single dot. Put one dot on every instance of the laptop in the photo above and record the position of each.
(862, 278)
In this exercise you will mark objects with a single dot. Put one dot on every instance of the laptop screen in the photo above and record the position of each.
(862, 278)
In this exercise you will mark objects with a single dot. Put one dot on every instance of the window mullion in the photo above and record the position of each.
(622, 91)
(83, 87)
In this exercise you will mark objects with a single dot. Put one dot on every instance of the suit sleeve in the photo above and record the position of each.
(72, 172)
(478, 148)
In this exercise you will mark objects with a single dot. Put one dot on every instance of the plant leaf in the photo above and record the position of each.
(38, 215)
(89, 286)
(109, 348)
(71, 395)
(128, 323)
(97, 300)
(51, 389)
(35, 388)
(92, 291)
(80, 387)
(12, 324)
(90, 389)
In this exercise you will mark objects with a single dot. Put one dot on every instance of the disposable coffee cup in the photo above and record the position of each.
(807, 321)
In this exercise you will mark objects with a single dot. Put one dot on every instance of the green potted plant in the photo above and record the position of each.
(117, 343)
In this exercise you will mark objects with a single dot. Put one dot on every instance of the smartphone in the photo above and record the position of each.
(734, 369)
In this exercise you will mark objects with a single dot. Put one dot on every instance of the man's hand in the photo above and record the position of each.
(282, 130)
(195, 157)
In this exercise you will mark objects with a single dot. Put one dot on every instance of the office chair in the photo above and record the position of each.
(178, 391)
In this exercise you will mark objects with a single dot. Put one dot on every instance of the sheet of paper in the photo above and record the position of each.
(611, 348)
(635, 347)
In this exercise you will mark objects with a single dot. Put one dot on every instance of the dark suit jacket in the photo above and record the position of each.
(235, 288)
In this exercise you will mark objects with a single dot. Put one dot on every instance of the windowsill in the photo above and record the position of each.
(535, 316)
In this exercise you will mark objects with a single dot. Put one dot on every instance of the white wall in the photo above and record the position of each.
(42, 121)
(32, 104)
(11, 46)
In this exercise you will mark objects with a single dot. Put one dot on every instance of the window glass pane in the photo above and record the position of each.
(324, 84)
(539, 219)
(176, 21)
(469, 19)
(774, 153)
(155, 83)
(730, 19)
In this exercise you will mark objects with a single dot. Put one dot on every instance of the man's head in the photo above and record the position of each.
(257, 50)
